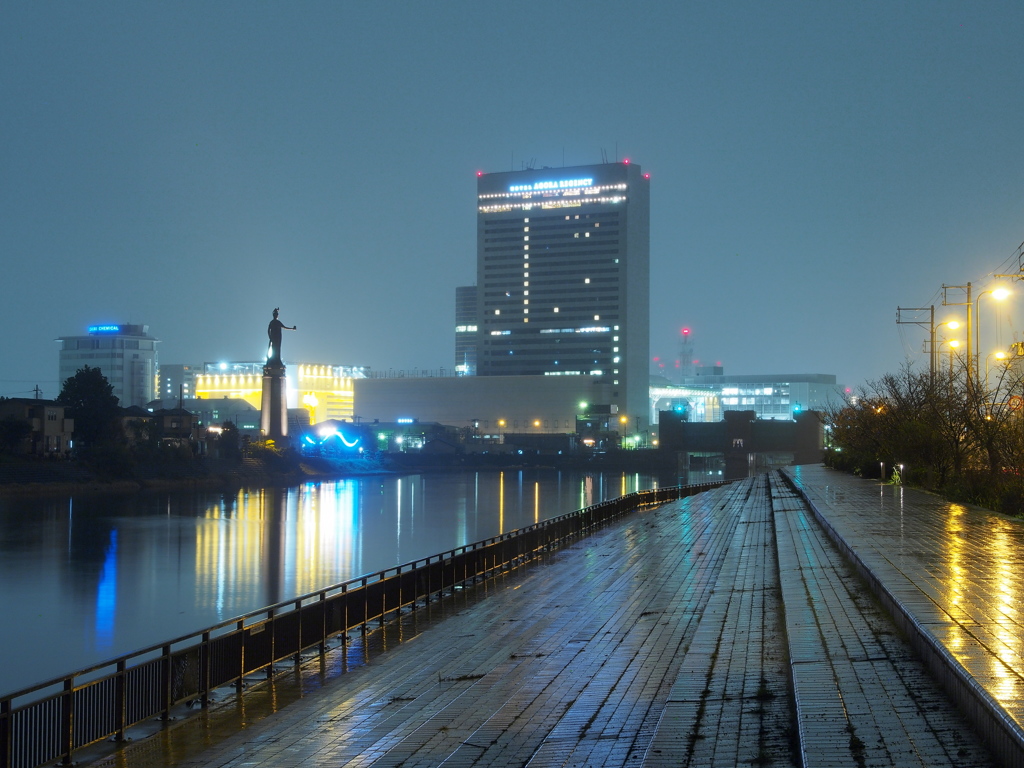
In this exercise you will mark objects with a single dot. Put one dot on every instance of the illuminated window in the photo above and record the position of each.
(586, 280)
(556, 309)
(597, 317)
(497, 311)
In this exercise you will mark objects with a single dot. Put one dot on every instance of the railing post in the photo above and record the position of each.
(204, 670)
(168, 682)
(120, 712)
(5, 734)
(323, 622)
(67, 720)
(298, 633)
(273, 643)
(241, 656)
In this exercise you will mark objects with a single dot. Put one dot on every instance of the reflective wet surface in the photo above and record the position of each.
(89, 578)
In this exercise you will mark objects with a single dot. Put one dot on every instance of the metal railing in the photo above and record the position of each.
(50, 721)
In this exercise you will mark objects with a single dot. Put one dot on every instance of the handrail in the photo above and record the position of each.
(51, 720)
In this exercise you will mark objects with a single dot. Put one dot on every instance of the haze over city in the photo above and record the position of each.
(192, 166)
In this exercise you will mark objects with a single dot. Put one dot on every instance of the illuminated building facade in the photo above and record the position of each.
(324, 391)
(124, 353)
(563, 277)
(465, 330)
(177, 382)
(780, 396)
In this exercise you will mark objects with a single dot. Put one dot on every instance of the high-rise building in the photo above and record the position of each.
(563, 277)
(125, 354)
(465, 330)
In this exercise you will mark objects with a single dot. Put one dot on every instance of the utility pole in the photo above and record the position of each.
(968, 304)
(931, 331)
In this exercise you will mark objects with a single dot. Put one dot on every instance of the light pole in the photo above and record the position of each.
(998, 294)
(1001, 356)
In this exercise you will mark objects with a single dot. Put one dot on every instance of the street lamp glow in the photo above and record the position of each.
(953, 324)
(954, 343)
(1001, 293)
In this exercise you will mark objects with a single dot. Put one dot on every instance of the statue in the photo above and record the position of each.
(274, 332)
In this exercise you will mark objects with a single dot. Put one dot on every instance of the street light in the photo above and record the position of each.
(998, 294)
(954, 345)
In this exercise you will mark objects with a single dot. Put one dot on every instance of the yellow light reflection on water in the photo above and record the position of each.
(257, 548)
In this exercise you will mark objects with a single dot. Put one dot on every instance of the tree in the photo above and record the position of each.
(13, 432)
(93, 405)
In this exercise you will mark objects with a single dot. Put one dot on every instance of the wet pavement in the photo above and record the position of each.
(722, 629)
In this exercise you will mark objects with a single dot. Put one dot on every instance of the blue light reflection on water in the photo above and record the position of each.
(88, 578)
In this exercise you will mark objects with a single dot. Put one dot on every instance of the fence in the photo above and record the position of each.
(50, 721)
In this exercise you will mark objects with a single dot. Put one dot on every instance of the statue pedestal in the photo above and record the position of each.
(274, 407)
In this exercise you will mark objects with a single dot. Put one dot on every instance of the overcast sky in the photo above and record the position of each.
(191, 166)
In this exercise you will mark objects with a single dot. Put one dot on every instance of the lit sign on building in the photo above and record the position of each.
(539, 186)
(104, 329)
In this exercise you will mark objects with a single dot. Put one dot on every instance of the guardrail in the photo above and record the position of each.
(50, 721)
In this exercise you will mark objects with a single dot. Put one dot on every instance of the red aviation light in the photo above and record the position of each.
(685, 331)
(647, 176)
(626, 161)
(479, 174)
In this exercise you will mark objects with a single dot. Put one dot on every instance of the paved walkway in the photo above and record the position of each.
(685, 635)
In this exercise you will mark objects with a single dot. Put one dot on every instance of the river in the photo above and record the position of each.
(91, 577)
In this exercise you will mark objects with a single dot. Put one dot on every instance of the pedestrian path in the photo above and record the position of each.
(861, 696)
(952, 575)
(678, 636)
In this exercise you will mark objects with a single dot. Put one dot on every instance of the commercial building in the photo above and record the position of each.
(769, 396)
(323, 391)
(465, 330)
(489, 405)
(563, 278)
(177, 382)
(124, 353)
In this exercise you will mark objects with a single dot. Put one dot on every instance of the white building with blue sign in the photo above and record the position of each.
(124, 353)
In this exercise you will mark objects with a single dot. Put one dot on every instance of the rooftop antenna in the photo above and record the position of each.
(604, 156)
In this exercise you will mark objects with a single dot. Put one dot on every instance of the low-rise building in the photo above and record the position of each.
(49, 432)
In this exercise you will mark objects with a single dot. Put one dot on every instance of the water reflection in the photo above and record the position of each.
(89, 578)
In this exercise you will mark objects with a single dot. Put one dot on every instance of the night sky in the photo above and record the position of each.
(191, 166)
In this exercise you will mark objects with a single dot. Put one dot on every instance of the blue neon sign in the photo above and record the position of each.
(540, 186)
(104, 329)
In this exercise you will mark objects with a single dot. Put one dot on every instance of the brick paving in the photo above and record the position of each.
(676, 637)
